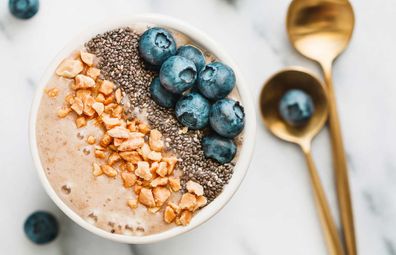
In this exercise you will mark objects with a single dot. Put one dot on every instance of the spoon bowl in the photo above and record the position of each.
(276, 87)
(320, 30)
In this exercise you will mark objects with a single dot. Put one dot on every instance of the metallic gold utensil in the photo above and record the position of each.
(273, 90)
(321, 30)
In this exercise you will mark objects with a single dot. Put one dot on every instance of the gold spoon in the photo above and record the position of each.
(321, 30)
(302, 135)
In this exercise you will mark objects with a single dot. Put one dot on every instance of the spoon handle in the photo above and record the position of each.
(340, 163)
(330, 231)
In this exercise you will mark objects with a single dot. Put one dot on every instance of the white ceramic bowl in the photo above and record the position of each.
(246, 150)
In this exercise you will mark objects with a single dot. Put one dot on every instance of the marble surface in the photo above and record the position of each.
(273, 212)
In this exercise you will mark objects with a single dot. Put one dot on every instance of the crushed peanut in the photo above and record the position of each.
(53, 92)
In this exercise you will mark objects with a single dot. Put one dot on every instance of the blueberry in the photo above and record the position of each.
(161, 96)
(216, 80)
(227, 117)
(23, 9)
(194, 54)
(296, 107)
(156, 45)
(178, 74)
(192, 111)
(41, 227)
(221, 149)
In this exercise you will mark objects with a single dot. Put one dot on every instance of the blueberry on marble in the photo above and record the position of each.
(192, 110)
(192, 53)
(162, 96)
(227, 117)
(156, 45)
(296, 107)
(219, 148)
(41, 227)
(216, 80)
(178, 74)
(23, 9)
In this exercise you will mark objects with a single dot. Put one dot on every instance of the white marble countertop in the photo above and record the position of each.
(273, 212)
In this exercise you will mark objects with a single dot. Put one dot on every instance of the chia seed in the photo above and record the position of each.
(120, 62)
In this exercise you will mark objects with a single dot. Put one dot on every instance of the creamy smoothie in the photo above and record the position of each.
(115, 157)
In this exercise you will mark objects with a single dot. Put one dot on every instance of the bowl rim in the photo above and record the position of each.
(245, 154)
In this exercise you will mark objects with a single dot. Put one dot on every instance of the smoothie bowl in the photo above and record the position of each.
(142, 129)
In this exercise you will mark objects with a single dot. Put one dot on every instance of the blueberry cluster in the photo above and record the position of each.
(196, 90)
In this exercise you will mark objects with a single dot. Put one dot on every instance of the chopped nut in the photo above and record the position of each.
(81, 122)
(194, 188)
(146, 197)
(131, 156)
(119, 132)
(100, 98)
(188, 201)
(117, 111)
(137, 189)
(98, 107)
(108, 170)
(162, 169)
(91, 140)
(113, 158)
(109, 100)
(131, 125)
(106, 140)
(155, 140)
(129, 179)
(110, 122)
(143, 170)
(118, 95)
(161, 194)
(69, 68)
(133, 135)
(144, 128)
(130, 167)
(69, 99)
(93, 72)
(174, 183)
(131, 144)
(118, 141)
(175, 207)
(171, 164)
(78, 106)
(185, 217)
(84, 82)
(201, 201)
(159, 181)
(153, 168)
(100, 154)
(107, 87)
(88, 102)
(144, 151)
(52, 92)
(132, 203)
(64, 112)
(87, 58)
(96, 171)
(82, 93)
(169, 214)
(154, 156)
